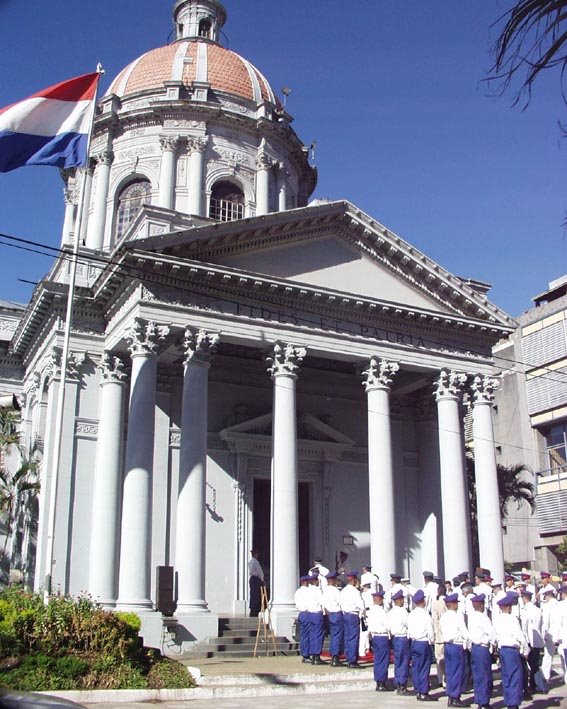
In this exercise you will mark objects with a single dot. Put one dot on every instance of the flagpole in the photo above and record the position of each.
(56, 460)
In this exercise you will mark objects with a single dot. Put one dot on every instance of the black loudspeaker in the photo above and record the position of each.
(165, 590)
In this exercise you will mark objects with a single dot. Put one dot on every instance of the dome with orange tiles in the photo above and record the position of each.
(194, 61)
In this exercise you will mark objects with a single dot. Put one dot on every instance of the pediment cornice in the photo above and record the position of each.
(211, 241)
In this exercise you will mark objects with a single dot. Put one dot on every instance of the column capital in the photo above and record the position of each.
(285, 359)
(145, 337)
(199, 346)
(111, 369)
(74, 363)
(197, 145)
(379, 374)
(169, 142)
(106, 157)
(264, 161)
(450, 384)
(484, 388)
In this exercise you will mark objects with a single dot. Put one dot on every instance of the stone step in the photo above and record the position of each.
(239, 633)
(243, 640)
(258, 680)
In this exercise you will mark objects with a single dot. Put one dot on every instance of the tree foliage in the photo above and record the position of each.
(533, 39)
(514, 488)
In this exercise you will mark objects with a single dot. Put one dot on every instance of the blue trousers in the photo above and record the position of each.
(303, 621)
(352, 636)
(512, 676)
(316, 623)
(454, 669)
(401, 659)
(337, 632)
(481, 665)
(381, 652)
(421, 664)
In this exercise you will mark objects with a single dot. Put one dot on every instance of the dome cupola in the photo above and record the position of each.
(198, 19)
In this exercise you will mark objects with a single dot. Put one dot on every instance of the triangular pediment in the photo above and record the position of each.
(332, 246)
(309, 428)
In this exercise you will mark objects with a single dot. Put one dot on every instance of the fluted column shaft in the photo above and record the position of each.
(69, 219)
(167, 172)
(263, 163)
(487, 497)
(456, 533)
(88, 188)
(284, 360)
(378, 379)
(107, 479)
(282, 188)
(134, 577)
(97, 222)
(190, 527)
(196, 168)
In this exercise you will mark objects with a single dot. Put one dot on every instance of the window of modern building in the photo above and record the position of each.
(132, 197)
(227, 202)
(556, 440)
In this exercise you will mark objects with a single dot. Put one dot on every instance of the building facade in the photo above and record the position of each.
(532, 424)
(247, 368)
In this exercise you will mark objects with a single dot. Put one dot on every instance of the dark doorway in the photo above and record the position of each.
(262, 518)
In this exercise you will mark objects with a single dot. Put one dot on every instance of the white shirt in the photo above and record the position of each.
(430, 589)
(545, 589)
(398, 621)
(453, 628)
(331, 599)
(509, 633)
(301, 598)
(377, 620)
(351, 600)
(559, 628)
(254, 568)
(480, 629)
(314, 599)
(372, 579)
(420, 625)
(323, 571)
(531, 620)
(388, 603)
(367, 599)
(496, 610)
(547, 611)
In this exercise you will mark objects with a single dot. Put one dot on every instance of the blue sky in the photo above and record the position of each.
(391, 91)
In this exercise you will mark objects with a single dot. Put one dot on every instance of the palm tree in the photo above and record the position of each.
(513, 488)
(15, 485)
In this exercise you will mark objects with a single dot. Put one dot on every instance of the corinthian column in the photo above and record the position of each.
(196, 147)
(263, 163)
(487, 498)
(134, 577)
(167, 171)
(454, 494)
(106, 494)
(69, 221)
(378, 380)
(190, 542)
(284, 361)
(283, 176)
(97, 222)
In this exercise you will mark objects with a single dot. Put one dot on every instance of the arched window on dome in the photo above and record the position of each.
(130, 199)
(227, 202)
(205, 28)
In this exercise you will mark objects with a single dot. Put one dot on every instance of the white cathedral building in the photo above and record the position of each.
(247, 368)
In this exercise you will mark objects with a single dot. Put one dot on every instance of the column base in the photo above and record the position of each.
(142, 606)
(192, 608)
(240, 608)
(283, 618)
(193, 627)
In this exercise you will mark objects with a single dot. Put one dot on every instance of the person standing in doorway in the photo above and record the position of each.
(256, 581)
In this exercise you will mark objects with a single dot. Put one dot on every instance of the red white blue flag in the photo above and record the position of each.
(49, 128)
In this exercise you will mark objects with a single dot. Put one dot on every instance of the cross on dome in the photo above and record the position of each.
(198, 18)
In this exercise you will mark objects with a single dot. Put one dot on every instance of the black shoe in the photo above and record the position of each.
(527, 696)
(428, 698)
(456, 702)
(402, 689)
(383, 687)
(305, 659)
(335, 662)
(316, 660)
(353, 665)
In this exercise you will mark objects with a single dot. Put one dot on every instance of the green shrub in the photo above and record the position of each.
(41, 672)
(169, 674)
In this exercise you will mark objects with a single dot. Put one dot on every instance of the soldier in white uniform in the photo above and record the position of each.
(321, 570)
(527, 579)
(546, 586)
(531, 620)
(378, 630)
(547, 609)
(559, 629)
(367, 577)
(497, 594)
(430, 588)
(396, 585)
